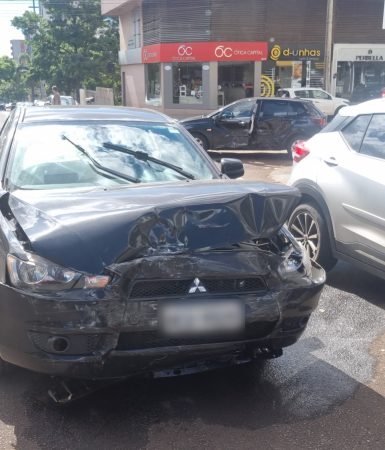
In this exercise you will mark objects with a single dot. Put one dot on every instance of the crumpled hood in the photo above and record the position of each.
(88, 231)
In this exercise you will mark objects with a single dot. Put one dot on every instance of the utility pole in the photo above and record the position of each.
(329, 45)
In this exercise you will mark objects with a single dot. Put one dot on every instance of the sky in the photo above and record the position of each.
(8, 10)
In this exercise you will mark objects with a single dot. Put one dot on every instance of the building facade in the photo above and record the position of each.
(192, 57)
(19, 48)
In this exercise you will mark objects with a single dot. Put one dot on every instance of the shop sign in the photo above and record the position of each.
(369, 57)
(205, 51)
(311, 52)
(361, 54)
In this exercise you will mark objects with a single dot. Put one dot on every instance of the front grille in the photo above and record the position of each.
(154, 339)
(167, 288)
(161, 288)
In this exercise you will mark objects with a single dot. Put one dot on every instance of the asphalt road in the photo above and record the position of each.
(325, 392)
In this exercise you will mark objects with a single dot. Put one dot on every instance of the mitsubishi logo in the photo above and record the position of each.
(196, 287)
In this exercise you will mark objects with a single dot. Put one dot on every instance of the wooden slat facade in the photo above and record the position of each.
(291, 21)
(358, 21)
(176, 21)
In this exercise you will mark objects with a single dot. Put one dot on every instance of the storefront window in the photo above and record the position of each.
(291, 74)
(360, 80)
(153, 84)
(187, 83)
(235, 81)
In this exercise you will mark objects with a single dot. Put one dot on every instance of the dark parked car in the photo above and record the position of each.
(258, 124)
(124, 250)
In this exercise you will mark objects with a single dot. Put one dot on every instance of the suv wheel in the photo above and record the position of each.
(202, 141)
(308, 226)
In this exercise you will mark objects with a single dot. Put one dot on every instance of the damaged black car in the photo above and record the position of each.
(125, 250)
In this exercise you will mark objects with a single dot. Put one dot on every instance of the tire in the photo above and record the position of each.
(202, 140)
(337, 111)
(308, 226)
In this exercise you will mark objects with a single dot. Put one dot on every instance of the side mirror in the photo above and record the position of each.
(231, 167)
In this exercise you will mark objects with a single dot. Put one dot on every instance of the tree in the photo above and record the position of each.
(7, 68)
(74, 47)
(12, 80)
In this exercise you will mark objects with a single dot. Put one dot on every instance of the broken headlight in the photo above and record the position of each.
(295, 259)
(37, 273)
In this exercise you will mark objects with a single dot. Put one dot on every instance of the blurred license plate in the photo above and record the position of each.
(194, 318)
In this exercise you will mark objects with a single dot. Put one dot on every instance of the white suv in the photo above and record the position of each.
(325, 102)
(340, 174)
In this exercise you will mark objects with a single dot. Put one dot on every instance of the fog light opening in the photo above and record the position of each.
(58, 344)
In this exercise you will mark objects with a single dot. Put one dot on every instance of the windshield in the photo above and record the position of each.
(53, 156)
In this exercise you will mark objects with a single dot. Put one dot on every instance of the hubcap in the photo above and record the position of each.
(306, 230)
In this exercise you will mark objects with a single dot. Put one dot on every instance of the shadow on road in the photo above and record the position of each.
(348, 278)
(233, 408)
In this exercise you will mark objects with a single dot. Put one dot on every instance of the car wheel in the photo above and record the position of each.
(337, 110)
(308, 226)
(202, 140)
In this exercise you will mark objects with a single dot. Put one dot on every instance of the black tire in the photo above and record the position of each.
(337, 111)
(202, 140)
(308, 226)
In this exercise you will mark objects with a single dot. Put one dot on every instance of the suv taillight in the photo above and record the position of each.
(383, 92)
(321, 121)
(300, 151)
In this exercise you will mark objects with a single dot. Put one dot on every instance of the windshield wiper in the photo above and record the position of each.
(143, 156)
(100, 166)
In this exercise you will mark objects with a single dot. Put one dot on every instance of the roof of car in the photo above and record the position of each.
(302, 89)
(54, 113)
(370, 107)
(254, 99)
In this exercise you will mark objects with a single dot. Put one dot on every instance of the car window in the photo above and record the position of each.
(319, 95)
(240, 109)
(295, 109)
(303, 93)
(374, 140)
(43, 158)
(274, 108)
(355, 131)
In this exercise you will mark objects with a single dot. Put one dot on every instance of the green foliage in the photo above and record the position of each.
(12, 81)
(7, 68)
(75, 47)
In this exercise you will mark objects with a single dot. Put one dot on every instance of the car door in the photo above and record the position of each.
(232, 125)
(323, 101)
(271, 125)
(353, 182)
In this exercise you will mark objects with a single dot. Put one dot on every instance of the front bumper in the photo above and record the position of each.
(110, 338)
